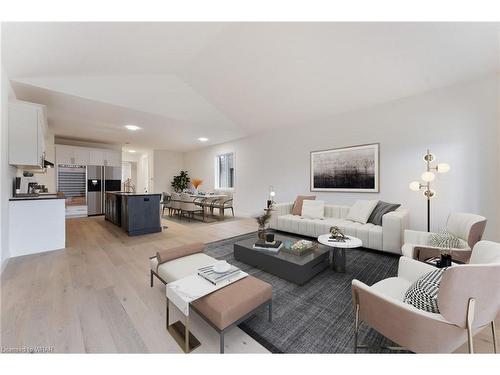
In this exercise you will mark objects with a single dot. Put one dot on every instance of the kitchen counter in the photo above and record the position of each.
(123, 193)
(37, 198)
(37, 224)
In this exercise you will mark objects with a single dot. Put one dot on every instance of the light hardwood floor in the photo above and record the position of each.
(94, 295)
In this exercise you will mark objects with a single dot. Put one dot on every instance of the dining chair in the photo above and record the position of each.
(222, 204)
(166, 202)
(175, 204)
(189, 207)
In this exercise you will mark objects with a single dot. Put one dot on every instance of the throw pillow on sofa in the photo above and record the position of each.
(299, 201)
(361, 211)
(423, 293)
(380, 210)
(313, 209)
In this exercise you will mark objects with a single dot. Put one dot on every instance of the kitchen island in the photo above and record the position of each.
(136, 213)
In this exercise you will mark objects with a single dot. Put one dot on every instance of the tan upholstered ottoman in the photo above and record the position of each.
(233, 304)
(223, 308)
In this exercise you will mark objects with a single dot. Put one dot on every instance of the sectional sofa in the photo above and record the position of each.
(387, 237)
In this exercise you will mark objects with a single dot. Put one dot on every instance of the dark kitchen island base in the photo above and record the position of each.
(139, 213)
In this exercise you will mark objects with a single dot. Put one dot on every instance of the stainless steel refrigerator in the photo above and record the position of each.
(100, 180)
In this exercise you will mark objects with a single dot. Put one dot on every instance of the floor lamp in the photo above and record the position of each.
(428, 176)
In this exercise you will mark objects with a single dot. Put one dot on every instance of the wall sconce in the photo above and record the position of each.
(428, 176)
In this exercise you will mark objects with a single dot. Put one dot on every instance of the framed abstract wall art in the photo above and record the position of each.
(348, 169)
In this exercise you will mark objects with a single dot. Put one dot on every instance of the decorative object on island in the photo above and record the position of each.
(428, 176)
(348, 169)
(197, 182)
(272, 194)
(270, 237)
(180, 182)
(262, 220)
(337, 234)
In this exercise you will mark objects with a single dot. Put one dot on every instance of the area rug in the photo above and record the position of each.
(317, 317)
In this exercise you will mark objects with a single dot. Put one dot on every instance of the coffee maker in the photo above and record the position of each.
(25, 187)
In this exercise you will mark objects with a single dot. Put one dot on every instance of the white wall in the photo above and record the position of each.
(458, 124)
(166, 164)
(143, 173)
(7, 173)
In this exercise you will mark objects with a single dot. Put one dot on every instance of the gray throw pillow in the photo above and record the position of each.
(380, 210)
(423, 293)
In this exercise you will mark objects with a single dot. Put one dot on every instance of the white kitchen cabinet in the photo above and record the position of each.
(72, 155)
(36, 225)
(87, 156)
(27, 129)
(82, 156)
(112, 158)
(96, 157)
(65, 154)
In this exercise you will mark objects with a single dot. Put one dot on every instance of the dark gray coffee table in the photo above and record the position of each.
(293, 268)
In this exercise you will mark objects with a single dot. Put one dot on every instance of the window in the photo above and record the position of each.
(224, 171)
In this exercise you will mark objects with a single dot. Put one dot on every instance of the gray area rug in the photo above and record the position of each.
(317, 317)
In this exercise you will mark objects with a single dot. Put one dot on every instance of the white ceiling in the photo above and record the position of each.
(181, 81)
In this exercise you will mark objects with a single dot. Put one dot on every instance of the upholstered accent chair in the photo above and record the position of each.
(468, 300)
(469, 228)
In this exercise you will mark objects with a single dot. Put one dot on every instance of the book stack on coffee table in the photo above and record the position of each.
(273, 247)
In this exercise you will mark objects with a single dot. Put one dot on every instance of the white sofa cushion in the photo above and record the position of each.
(181, 267)
(312, 209)
(361, 210)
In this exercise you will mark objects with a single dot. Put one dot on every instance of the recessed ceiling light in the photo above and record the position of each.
(203, 139)
(131, 151)
(132, 127)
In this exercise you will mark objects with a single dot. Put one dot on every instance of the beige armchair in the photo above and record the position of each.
(468, 299)
(469, 228)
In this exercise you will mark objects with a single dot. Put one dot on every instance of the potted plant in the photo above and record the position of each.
(262, 220)
(180, 182)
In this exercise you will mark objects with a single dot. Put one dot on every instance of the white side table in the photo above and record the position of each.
(337, 250)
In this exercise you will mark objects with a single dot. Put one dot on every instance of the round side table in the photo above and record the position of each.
(337, 250)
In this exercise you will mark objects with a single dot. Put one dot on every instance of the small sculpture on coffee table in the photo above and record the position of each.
(337, 234)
